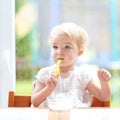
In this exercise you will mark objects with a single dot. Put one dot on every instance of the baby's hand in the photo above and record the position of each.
(51, 81)
(104, 75)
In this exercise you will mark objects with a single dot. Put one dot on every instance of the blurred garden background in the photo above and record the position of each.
(34, 20)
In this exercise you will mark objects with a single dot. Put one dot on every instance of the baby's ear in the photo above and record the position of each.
(80, 52)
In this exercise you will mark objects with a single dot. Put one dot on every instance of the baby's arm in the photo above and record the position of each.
(102, 92)
(104, 77)
(43, 90)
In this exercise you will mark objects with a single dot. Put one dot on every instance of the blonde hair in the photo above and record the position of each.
(74, 32)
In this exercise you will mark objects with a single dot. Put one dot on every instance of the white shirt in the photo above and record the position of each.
(74, 85)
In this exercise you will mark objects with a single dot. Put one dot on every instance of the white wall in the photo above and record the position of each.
(7, 49)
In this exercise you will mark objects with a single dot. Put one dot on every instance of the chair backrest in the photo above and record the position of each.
(98, 103)
(18, 100)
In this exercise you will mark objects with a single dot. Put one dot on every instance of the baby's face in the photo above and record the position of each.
(63, 48)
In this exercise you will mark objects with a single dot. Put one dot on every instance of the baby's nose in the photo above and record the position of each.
(60, 50)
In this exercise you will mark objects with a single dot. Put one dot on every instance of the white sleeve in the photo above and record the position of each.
(42, 75)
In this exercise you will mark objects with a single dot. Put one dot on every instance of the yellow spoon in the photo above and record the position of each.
(57, 70)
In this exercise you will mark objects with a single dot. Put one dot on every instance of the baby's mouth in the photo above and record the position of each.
(60, 59)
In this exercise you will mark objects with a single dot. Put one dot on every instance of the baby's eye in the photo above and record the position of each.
(55, 47)
(68, 47)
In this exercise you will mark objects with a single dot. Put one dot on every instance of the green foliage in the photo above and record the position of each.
(23, 73)
(23, 47)
(18, 4)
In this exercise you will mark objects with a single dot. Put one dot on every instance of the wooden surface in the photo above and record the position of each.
(59, 115)
(15, 100)
(46, 114)
(99, 103)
